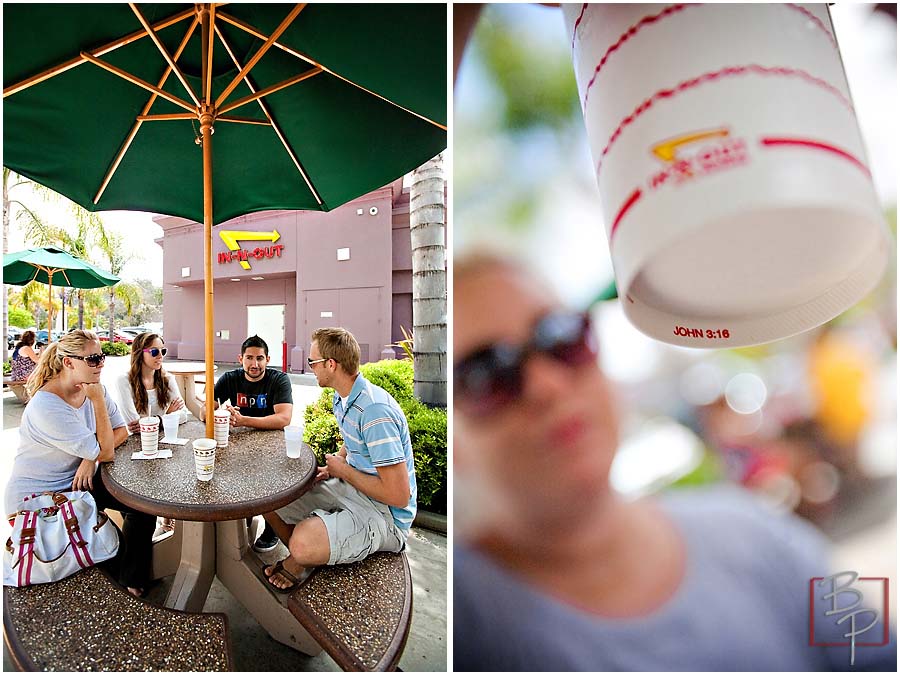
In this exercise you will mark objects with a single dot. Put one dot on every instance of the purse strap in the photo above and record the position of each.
(26, 547)
(79, 545)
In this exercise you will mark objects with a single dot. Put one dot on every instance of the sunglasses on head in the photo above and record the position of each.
(93, 360)
(156, 351)
(492, 377)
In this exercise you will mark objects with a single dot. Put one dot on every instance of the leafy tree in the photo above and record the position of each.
(112, 248)
(20, 318)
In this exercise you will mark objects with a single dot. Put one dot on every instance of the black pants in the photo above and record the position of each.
(132, 563)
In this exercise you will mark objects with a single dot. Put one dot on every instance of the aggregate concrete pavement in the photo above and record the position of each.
(426, 648)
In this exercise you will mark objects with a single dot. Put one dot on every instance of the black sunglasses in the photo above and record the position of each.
(310, 362)
(491, 378)
(93, 360)
(155, 351)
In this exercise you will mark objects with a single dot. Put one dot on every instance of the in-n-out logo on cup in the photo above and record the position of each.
(841, 616)
(696, 153)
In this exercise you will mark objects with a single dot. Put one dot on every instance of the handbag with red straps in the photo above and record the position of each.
(55, 535)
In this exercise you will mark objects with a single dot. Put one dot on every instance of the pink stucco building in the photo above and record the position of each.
(282, 274)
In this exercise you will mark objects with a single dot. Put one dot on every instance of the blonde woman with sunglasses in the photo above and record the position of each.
(70, 424)
(147, 390)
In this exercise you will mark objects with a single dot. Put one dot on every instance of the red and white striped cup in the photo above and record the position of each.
(736, 194)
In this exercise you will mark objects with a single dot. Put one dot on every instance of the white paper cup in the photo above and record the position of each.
(149, 445)
(170, 424)
(736, 193)
(149, 424)
(204, 458)
(221, 426)
(293, 438)
(149, 436)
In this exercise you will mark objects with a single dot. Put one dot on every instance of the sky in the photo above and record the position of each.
(138, 230)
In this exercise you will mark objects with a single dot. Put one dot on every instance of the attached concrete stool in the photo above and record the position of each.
(87, 622)
(359, 613)
(17, 387)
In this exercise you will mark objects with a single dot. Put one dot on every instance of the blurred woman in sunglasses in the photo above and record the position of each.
(147, 390)
(553, 570)
(69, 425)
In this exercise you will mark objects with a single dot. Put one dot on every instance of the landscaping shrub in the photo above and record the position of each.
(428, 433)
(115, 348)
(7, 366)
(427, 428)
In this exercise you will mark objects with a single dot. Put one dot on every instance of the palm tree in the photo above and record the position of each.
(33, 297)
(111, 246)
(8, 175)
(79, 243)
(426, 230)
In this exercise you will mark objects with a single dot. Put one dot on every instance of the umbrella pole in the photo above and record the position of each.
(49, 307)
(206, 121)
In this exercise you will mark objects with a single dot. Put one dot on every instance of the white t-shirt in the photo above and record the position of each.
(53, 439)
(126, 400)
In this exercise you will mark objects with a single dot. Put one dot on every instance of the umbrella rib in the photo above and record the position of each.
(100, 51)
(303, 57)
(270, 40)
(134, 79)
(271, 89)
(243, 120)
(209, 56)
(165, 53)
(137, 125)
(166, 116)
(271, 119)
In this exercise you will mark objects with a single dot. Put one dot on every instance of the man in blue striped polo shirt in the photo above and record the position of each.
(365, 495)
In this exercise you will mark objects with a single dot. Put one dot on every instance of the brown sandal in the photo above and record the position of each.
(278, 568)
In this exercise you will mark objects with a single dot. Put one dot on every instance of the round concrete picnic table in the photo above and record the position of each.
(253, 475)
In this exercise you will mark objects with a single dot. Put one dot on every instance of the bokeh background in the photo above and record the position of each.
(808, 423)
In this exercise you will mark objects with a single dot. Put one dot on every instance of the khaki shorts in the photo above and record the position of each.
(357, 525)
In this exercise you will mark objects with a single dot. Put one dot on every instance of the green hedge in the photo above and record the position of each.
(115, 348)
(427, 429)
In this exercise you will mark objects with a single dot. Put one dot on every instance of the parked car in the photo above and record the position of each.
(121, 336)
(136, 330)
(41, 335)
(13, 335)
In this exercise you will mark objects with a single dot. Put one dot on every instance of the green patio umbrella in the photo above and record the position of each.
(51, 266)
(114, 106)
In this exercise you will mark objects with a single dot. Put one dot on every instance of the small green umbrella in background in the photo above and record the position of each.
(53, 266)
(115, 105)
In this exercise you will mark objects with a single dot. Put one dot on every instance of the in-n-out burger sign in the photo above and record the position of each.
(242, 255)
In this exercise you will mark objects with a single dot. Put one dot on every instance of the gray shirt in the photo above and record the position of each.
(53, 439)
(742, 605)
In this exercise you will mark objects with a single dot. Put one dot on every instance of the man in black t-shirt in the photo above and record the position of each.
(260, 398)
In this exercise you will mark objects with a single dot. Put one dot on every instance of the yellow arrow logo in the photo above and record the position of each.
(232, 237)
(666, 149)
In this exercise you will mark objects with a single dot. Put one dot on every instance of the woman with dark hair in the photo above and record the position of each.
(24, 358)
(147, 390)
(71, 424)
